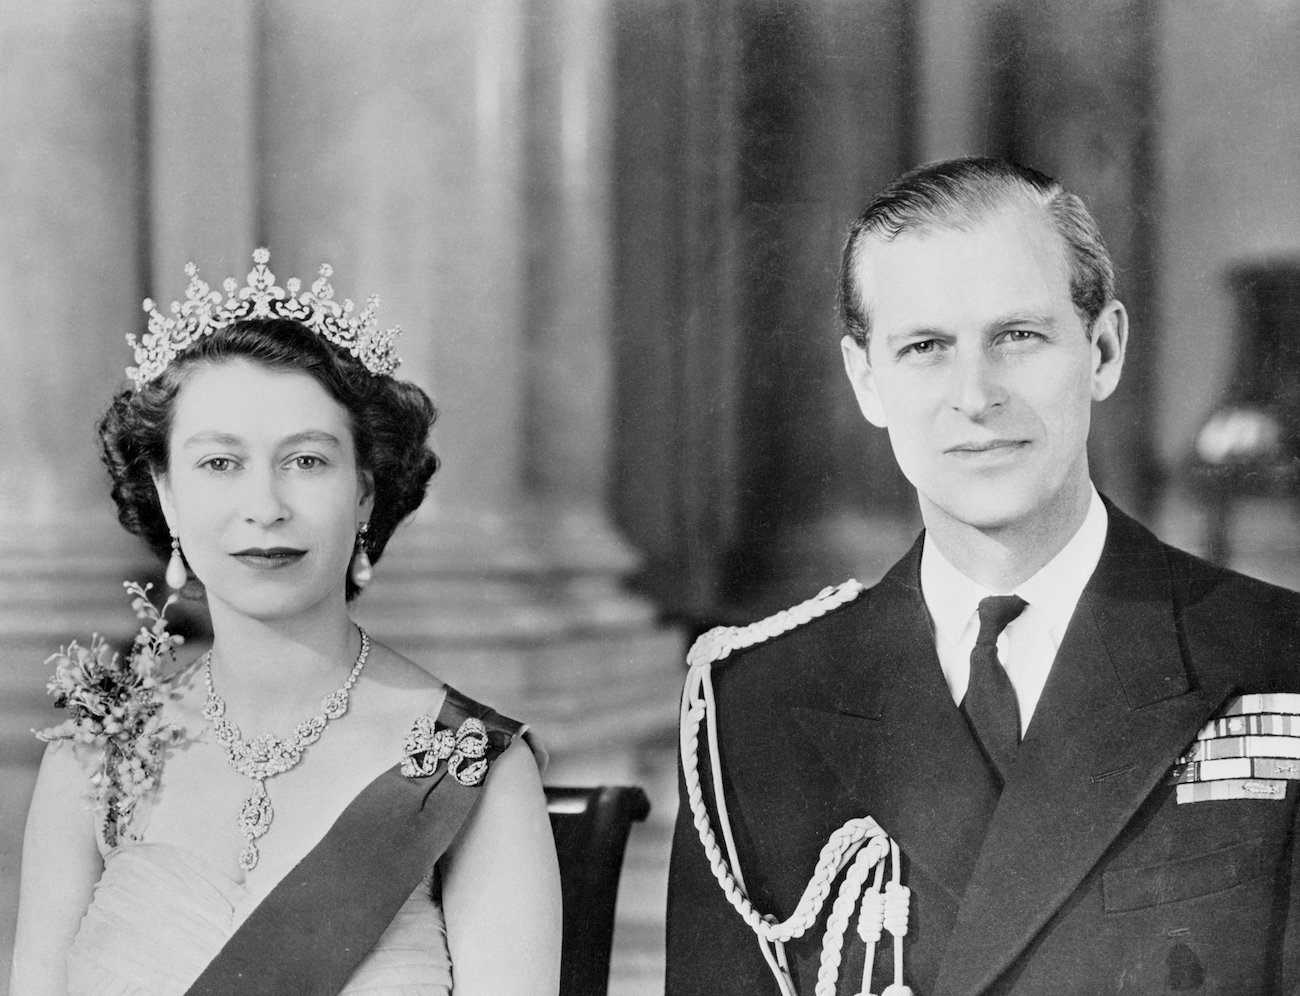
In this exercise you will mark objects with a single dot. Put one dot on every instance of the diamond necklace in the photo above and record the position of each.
(268, 755)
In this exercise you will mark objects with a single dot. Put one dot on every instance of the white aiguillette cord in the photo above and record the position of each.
(859, 845)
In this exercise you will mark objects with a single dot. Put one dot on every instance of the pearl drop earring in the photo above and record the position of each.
(360, 570)
(176, 575)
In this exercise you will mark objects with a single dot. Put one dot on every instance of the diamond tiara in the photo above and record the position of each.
(202, 313)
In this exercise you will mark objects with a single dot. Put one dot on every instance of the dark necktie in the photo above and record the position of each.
(990, 702)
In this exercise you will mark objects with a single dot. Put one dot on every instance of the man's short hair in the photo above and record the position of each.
(957, 194)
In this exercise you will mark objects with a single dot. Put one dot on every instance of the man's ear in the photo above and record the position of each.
(163, 488)
(1109, 341)
(858, 366)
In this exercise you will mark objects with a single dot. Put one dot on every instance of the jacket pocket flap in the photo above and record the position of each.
(1183, 878)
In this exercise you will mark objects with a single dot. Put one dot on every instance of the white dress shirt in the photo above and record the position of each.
(1028, 645)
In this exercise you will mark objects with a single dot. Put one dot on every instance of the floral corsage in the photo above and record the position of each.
(112, 706)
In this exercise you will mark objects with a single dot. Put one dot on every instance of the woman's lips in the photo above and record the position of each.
(270, 558)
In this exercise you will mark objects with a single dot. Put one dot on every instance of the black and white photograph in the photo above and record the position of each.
(649, 497)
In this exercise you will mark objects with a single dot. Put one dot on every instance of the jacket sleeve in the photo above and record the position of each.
(1287, 917)
(711, 950)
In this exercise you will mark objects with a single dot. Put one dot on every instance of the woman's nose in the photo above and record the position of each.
(263, 502)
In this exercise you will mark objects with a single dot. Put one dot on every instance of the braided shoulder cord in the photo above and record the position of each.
(720, 642)
(843, 846)
(838, 922)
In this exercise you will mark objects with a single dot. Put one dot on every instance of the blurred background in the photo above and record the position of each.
(610, 230)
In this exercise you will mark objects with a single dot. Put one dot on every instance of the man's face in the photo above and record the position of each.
(982, 371)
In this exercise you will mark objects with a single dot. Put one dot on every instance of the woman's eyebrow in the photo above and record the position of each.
(215, 438)
(312, 436)
(212, 438)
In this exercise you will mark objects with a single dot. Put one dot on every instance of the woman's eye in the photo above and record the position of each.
(218, 465)
(308, 462)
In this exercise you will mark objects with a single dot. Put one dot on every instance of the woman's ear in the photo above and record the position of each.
(367, 503)
(163, 487)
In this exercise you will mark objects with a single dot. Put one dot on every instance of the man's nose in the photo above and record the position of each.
(976, 384)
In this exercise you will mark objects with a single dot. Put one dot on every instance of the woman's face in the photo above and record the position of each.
(263, 488)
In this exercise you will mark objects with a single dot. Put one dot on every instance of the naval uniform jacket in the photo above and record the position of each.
(1084, 875)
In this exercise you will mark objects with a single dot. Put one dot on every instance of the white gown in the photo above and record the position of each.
(160, 913)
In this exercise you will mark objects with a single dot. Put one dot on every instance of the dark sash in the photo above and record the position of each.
(313, 929)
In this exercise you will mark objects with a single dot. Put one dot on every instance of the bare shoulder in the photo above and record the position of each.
(398, 683)
(60, 866)
(502, 879)
(516, 772)
(509, 825)
(61, 764)
(63, 786)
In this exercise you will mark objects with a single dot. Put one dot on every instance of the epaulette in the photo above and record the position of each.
(721, 642)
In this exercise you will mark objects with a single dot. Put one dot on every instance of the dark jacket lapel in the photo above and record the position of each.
(883, 720)
(1117, 711)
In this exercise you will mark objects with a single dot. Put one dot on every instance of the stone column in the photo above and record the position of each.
(568, 279)
(203, 139)
(466, 186)
(822, 120)
(1075, 97)
(675, 301)
(70, 278)
(952, 79)
(70, 106)
(70, 287)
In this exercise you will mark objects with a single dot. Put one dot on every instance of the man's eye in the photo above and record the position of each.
(1020, 335)
(922, 347)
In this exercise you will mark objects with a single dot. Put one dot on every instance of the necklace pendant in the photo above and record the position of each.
(255, 815)
(269, 755)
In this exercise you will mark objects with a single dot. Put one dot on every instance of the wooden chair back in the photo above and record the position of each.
(591, 827)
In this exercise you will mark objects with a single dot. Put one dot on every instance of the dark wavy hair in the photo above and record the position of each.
(390, 421)
(958, 193)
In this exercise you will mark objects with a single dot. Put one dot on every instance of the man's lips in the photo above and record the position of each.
(988, 446)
